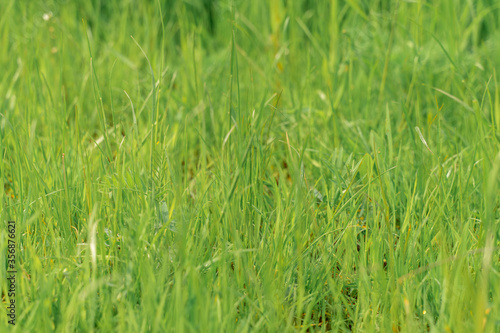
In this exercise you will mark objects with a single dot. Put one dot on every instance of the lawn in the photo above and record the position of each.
(250, 166)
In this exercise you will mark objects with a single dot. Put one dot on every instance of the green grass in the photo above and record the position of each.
(251, 166)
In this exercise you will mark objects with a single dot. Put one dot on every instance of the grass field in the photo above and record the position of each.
(251, 166)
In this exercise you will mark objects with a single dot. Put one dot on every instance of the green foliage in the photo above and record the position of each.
(251, 165)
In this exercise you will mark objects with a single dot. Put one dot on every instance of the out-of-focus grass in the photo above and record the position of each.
(297, 165)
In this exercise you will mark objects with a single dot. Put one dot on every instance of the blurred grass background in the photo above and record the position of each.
(252, 165)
